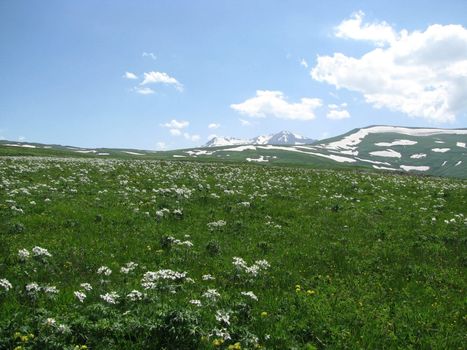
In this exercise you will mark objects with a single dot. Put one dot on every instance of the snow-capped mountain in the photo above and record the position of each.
(281, 138)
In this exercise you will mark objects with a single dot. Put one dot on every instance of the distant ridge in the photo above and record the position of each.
(281, 138)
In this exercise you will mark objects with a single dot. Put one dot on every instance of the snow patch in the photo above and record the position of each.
(383, 168)
(460, 144)
(261, 159)
(440, 150)
(458, 163)
(133, 153)
(396, 143)
(20, 145)
(390, 153)
(418, 156)
(240, 148)
(417, 168)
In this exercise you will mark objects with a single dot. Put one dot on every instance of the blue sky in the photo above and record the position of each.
(245, 68)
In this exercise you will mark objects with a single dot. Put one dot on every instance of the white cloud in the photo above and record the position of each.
(214, 126)
(129, 75)
(143, 90)
(421, 74)
(304, 63)
(176, 124)
(190, 137)
(161, 78)
(150, 54)
(244, 122)
(21, 138)
(273, 103)
(380, 33)
(337, 112)
(161, 145)
(175, 132)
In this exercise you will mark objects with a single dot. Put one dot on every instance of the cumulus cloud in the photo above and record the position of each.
(191, 137)
(421, 74)
(143, 90)
(161, 78)
(353, 28)
(150, 55)
(176, 124)
(214, 126)
(244, 122)
(175, 132)
(274, 103)
(129, 75)
(161, 145)
(337, 112)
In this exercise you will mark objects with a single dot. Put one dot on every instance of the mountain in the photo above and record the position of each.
(428, 151)
(281, 138)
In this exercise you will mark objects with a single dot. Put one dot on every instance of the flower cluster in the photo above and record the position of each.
(151, 278)
(253, 270)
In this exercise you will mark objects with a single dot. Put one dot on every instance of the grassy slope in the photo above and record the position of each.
(373, 269)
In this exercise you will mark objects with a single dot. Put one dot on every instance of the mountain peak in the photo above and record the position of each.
(283, 137)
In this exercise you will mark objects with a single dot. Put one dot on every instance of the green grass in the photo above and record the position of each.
(357, 260)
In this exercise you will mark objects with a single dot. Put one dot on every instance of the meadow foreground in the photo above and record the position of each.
(128, 254)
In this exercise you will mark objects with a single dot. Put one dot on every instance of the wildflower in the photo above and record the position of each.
(250, 295)
(135, 295)
(80, 296)
(216, 224)
(64, 329)
(86, 286)
(151, 278)
(110, 298)
(208, 277)
(235, 346)
(50, 322)
(218, 342)
(310, 292)
(196, 302)
(211, 294)
(40, 252)
(50, 290)
(264, 314)
(23, 254)
(223, 317)
(104, 270)
(5, 284)
(129, 267)
(32, 289)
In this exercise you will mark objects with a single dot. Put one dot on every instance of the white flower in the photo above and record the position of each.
(135, 295)
(40, 252)
(104, 270)
(86, 286)
(196, 302)
(223, 317)
(80, 296)
(216, 224)
(64, 329)
(129, 267)
(23, 254)
(151, 278)
(50, 290)
(208, 277)
(5, 284)
(50, 322)
(32, 288)
(110, 298)
(250, 295)
(211, 294)
(221, 333)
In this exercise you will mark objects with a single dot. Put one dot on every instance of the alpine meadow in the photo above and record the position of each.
(233, 175)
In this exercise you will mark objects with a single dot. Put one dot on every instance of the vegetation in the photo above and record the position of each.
(147, 254)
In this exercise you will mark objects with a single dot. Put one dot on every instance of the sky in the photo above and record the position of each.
(172, 74)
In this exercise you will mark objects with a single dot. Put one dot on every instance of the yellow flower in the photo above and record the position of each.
(217, 342)
(17, 335)
(264, 314)
(310, 292)
(235, 346)
(19, 348)
(24, 338)
(297, 286)
(31, 336)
